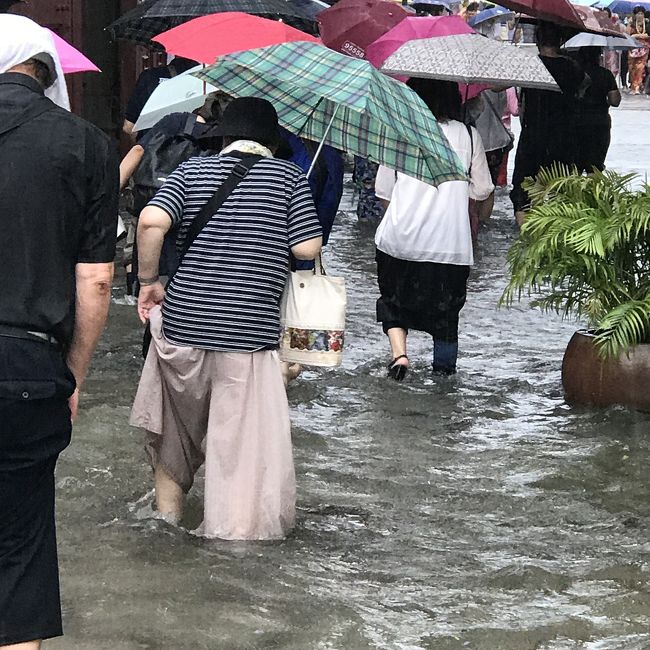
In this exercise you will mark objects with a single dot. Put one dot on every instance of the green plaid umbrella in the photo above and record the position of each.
(345, 102)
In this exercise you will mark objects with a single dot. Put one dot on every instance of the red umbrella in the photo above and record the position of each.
(560, 12)
(206, 38)
(351, 25)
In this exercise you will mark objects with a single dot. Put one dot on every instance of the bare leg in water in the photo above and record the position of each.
(397, 339)
(169, 496)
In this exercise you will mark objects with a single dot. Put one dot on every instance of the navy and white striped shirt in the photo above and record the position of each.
(226, 294)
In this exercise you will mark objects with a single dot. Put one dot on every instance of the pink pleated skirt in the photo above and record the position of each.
(230, 410)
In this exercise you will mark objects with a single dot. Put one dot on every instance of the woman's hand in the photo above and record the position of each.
(149, 297)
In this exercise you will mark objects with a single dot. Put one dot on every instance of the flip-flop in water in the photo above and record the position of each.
(398, 371)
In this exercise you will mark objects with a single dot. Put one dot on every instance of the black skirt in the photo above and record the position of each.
(424, 296)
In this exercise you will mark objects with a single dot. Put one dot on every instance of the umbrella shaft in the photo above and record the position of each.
(322, 142)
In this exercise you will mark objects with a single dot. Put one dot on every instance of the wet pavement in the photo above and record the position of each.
(478, 511)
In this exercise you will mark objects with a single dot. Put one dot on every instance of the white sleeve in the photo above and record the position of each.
(480, 185)
(384, 183)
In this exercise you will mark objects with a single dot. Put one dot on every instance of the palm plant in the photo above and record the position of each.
(584, 250)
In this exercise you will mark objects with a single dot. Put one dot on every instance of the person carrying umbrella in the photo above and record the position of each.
(147, 82)
(424, 242)
(548, 118)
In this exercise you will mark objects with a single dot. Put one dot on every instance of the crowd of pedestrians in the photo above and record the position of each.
(222, 217)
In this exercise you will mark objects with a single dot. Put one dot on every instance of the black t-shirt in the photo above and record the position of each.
(59, 197)
(148, 81)
(594, 107)
(548, 112)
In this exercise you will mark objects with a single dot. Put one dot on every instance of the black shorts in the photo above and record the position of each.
(34, 428)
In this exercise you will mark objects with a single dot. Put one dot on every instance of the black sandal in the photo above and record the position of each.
(397, 371)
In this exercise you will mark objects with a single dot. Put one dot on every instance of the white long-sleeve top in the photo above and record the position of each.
(424, 223)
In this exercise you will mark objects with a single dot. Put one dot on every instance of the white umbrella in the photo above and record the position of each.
(622, 42)
(470, 58)
(179, 94)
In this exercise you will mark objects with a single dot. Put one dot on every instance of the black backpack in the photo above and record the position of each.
(162, 156)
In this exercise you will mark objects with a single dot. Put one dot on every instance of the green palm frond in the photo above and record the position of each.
(584, 251)
(623, 327)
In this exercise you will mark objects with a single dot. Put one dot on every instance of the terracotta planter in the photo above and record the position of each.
(590, 380)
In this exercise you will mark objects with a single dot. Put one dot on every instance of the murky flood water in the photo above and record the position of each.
(478, 511)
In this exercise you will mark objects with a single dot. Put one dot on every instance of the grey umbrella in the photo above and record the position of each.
(622, 42)
(470, 58)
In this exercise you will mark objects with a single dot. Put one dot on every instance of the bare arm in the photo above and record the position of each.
(308, 249)
(92, 302)
(614, 97)
(153, 225)
(129, 164)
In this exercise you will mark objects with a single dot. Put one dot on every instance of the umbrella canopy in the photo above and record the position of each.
(351, 25)
(152, 17)
(623, 42)
(72, 60)
(183, 93)
(561, 12)
(415, 27)
(624, 7)
(208, 37)
(411, 28)
(325, 96)
(470, 58)
(493, 13)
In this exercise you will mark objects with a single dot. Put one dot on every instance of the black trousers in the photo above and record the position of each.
(536, 151)
(35, 427)
(593, 143)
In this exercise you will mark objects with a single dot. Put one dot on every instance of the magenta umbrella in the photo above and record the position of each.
(412, 28)
(416, 27)
(72, 60)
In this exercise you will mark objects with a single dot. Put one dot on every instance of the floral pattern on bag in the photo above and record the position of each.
(313, 340)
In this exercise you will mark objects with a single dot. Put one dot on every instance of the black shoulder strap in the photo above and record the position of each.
(38, 109)
(239, 172)
(190, 124)
(471, 155)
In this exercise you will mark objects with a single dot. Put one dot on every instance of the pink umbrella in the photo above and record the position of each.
(415, 27)
(72, 60)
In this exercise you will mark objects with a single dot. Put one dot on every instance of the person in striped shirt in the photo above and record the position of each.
(212, 371)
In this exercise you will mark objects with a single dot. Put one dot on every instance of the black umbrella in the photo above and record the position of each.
(155, 16)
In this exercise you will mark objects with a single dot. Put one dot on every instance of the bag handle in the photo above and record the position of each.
(319, 269)
(238, 173)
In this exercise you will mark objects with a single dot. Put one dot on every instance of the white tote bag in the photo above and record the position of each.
(312, 315)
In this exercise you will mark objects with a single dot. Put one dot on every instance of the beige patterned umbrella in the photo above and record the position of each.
(470, 58)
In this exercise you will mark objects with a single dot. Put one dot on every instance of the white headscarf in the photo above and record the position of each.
(22, 38)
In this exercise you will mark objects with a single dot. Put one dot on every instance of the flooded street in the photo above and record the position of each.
(478, 511)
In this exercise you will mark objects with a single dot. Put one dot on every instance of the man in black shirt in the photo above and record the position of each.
(58, 192)
(547, 117)
(147, 82)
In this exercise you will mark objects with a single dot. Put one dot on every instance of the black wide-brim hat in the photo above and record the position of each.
(252, 118)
